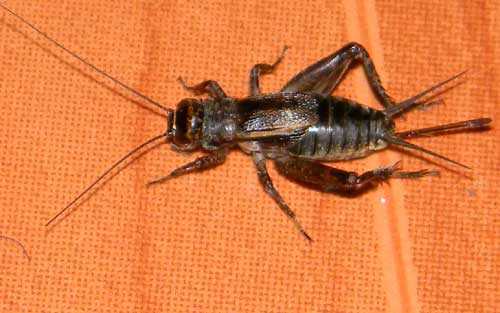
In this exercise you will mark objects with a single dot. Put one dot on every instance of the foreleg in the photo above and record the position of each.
(259, 69)
(199, 164)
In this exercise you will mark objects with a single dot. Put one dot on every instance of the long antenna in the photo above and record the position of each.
(104, 174)
(17, 242)
(73, 54)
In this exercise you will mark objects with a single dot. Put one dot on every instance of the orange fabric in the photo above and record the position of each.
(214, 241)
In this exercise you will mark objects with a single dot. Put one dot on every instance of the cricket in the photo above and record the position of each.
(299, 128)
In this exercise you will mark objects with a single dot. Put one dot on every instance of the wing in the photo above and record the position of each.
(276, 115)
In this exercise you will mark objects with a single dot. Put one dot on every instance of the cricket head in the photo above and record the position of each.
(185, 126)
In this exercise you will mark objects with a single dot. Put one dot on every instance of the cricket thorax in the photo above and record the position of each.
(219, 123)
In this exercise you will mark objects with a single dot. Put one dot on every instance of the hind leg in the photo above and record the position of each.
(324, 75)
(330, 179)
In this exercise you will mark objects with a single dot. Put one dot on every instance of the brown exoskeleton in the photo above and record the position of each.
(297, 127)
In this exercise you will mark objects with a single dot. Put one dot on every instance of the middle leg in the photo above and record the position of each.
(265, 179)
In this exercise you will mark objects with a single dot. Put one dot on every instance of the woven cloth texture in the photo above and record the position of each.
(214, 241)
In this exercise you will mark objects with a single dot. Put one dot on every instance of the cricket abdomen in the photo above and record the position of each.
(346, 130)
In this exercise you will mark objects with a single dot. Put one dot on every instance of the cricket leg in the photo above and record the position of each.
(265, 179)
(210, 87)
(330, 179)
(199, 164)
(324, 75)
(261, 68)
